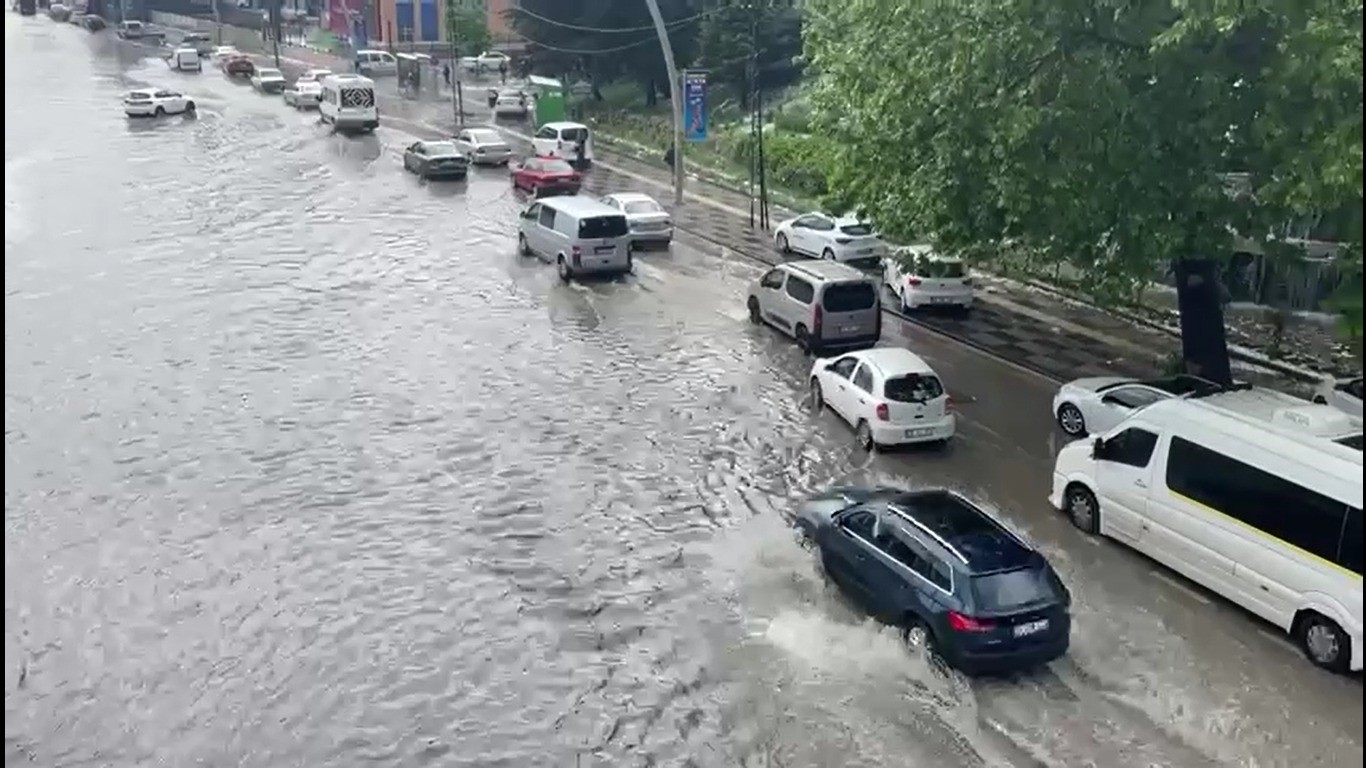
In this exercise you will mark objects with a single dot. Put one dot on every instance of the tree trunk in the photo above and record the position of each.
(1199, 299)
(651, 93)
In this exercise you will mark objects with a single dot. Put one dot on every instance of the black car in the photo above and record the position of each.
(436, 160)
(951, 577)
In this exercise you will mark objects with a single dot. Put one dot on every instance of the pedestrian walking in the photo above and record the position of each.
(503, 71)
(446, 73)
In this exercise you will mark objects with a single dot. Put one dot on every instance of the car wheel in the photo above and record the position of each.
(160, 112)
(1071, 420)
(522, 247)
(917, 635)
(803, 339)
(189, 107)
(817, 396)
(1320, 400)
(563, 267)
(783, 247)
(754, 314)
(828, 255)
(630, 263)
(1324, 643)
(863, 433)
(1082, 508)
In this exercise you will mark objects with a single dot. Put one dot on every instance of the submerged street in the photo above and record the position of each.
(306, 467)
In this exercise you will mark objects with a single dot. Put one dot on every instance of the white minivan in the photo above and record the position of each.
(580, 234)
(563, 140)
(1261, 512)
(347, 103)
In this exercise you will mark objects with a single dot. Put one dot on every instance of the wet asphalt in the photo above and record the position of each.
(304, 466)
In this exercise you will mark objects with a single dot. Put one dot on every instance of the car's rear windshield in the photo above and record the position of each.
(269, 73)
(913, 388)
(1009, 590)
(849, 297)
(642, 206)
(442, 148)
(1351, 441)
(937, 268)
(486, 137)
(556, 166)
(857, 230)
(603, 226)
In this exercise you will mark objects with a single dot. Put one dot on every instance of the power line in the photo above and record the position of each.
(600, 30)
(590, 52)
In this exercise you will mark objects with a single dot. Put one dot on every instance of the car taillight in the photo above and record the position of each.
(960, 623)
(843, 240)
(882, 413)
(816, 319)
(913, 281)
(948, 403)
(577, 254)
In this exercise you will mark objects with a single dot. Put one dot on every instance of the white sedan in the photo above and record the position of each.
(845, 238)
(484, 146)
(267, 80)
(649, 222)
(488, 61)
(1095, 405)
(889, 395)
(1342, 394)
(307, 90)
(155, 103)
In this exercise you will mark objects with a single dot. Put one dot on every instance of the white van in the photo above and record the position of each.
(562, 140)
(376, 63)
(347, 102)
(1261, 512)
(580, 234)
(185, 59)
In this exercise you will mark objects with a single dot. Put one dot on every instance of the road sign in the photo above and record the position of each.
(695, 106)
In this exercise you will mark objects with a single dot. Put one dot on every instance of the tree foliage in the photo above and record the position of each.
(577, 38)
(1100, 134)
(467, 29)
(735, 30)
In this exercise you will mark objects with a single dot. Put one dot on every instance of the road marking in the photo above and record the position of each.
(1161, 575)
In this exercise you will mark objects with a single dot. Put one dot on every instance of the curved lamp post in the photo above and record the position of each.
(675, 97)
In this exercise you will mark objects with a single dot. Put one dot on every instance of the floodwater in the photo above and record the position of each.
(305, 467)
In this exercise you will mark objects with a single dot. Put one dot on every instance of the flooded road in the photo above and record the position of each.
(305, 467)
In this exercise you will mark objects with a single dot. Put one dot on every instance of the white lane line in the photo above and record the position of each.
(1179, 586)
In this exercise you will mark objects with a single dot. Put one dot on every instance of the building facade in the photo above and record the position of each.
(401, 23)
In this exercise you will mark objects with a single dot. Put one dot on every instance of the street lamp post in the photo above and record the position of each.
(675, 97)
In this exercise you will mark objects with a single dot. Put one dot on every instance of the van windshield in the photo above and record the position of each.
(602, 227)
(1009, 590)
(912, 388)
(849, 297)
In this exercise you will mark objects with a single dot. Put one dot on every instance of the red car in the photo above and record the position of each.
(239, 66)
(545, 174)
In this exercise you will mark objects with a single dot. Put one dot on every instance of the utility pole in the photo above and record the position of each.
(757, 164)
(458, 92)
(218, 21)
(675, 96)
(275, 14)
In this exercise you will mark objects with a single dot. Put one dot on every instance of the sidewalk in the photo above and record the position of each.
(1055, 335)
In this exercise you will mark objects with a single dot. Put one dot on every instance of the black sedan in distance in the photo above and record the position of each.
(436, 160)
(953, 579)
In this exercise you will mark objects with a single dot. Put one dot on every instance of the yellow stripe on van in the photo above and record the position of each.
(1265, 535)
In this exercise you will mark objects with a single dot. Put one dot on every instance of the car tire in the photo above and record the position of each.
(828, 255)
(1071, 420)
(755, 316)
(783, 246)
(562, 267)
(630, 264)
(906, 309)
(863, 435)
(917, 635)
(159, 112)
(523, 248)
(803, 338)
(1320, 400)
(817, 396)
(1082, 508)
(189, 107)
(1324, 643)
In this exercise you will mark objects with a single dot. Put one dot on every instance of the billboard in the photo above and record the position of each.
(695, 105)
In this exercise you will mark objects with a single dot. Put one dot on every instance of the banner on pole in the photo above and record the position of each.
(695, 106)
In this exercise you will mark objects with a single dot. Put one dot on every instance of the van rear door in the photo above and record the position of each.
(850, 311)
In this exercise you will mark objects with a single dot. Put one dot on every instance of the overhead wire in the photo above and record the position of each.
(604, 31)
(590, 52)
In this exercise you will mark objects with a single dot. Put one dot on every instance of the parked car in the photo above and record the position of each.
(1342, 394)
(488, 61)
(922, 278)
(1094, 405)
(821, 304)
(889, 395)
(240, 65)
(540, 173)
(564, 140)
(268, 80)
(957, 582)
(846, 238)
(372, 63)
(307, 90)
(436, 160)
(649, 222)
(156, 103)
(484, 146)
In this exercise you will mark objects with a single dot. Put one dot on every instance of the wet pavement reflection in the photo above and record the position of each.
(304, 466)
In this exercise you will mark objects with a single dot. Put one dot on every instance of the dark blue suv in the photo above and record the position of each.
(949, 575)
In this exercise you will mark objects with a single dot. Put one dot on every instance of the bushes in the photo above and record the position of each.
(798, 162)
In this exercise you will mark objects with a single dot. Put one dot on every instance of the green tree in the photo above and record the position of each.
(734, 31)
(1103, 135)
(467, 29)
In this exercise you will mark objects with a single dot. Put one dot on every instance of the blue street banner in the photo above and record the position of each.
(695, 106)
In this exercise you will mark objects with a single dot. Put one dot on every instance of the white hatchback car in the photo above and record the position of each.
(888, 394)
(846, 239)
(922, 278)
(307, 90)
(155, 103)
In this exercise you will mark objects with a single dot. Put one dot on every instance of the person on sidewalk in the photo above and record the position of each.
(503, 71)
(446, 73)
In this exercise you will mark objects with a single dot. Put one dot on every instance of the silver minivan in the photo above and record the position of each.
(580, 235)
(821, 304)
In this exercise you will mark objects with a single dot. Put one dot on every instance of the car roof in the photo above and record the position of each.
(632, 197)
(980, 543)
(483, 133)
(824, 270)
(562, 125)
(580, 205)
(894, 360)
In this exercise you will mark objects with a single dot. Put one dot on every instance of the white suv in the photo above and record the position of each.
(887, 394)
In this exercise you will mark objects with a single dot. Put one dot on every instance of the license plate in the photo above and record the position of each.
(605, 249)
(848, 329)
(940, 300)
(1031, 627)
(919, 432)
